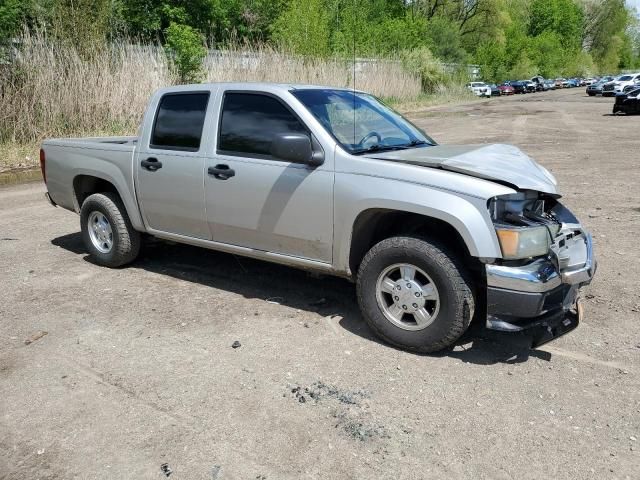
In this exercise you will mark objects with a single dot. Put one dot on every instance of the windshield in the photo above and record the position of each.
(360, 122)
(625, 78)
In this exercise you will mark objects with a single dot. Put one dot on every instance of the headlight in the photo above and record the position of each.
(523, 242)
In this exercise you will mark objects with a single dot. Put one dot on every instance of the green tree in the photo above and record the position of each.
(605, 34)
(186, 51)
(304, 28)
(445, 40)
(547, 53)
(564, 17)
(12, 13)
(492, 58)
(83, 23)
(396, 34)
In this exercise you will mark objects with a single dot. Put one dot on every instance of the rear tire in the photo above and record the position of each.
(441, 286)
(107, 231)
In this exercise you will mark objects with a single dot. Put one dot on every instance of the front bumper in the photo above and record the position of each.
(541, 296)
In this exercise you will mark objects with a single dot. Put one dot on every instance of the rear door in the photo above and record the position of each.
(267, 204)
(170, 166)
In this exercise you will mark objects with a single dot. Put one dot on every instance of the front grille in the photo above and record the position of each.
(608, 88)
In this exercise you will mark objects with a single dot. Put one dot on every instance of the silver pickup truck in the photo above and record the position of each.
(334, 181)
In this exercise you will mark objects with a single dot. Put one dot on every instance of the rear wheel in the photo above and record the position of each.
(107, 232)
(414, 294)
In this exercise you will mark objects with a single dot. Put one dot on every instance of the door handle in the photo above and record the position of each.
(151, 164)
(221, 172)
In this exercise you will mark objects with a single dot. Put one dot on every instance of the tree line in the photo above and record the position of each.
(507, 38)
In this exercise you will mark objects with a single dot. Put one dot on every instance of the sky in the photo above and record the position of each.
(634, 3)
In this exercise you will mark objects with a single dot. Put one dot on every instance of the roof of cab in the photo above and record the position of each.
(266, 86)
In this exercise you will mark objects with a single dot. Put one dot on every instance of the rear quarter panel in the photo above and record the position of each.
(103, 158)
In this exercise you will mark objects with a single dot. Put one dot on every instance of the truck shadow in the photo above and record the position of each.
(325, 295)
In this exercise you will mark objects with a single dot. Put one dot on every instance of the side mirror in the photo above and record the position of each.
(295, 147)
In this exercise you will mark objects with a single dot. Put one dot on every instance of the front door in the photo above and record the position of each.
(265, 203)
(170, 169)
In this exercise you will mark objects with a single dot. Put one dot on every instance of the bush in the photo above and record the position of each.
(423, 63)
(186, 52)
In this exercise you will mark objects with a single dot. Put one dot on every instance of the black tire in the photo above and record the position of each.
(457, 301)
(126, 240)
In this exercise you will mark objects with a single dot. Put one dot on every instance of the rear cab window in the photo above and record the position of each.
(179, 121)
(249, 121)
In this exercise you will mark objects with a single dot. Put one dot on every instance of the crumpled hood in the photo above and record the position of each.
(504, 163)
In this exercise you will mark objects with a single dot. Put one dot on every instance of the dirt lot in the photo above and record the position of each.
(137, 368)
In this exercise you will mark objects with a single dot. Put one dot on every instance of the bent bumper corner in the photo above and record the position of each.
(545, 328)
(538, 297)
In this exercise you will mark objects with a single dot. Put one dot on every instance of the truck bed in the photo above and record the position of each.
(69, 159)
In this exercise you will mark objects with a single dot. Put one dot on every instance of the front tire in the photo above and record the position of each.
(107, 231)
(415, 294)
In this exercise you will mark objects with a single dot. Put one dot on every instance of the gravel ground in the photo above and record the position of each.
(136, 377)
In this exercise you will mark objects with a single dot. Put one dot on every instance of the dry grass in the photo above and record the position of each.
(51, 90)
(18, 155)
(265, 64)
(54, 91)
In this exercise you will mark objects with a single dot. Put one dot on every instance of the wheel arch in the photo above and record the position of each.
(376, 224)
(86, 184)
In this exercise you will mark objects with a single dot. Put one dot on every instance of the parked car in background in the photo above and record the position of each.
(481, 89)
(560, 82)
(518, 86)
(589, 81)
(572, 83)
(506, 89)
(628, 103)
(277, 172)
(549, 85)
(531, 87)
(495, 91)
(539, 81)
(595, 88)
(629, 88)
(610, 89)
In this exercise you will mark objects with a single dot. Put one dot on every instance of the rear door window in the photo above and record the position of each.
(179, 121)
(250, 121)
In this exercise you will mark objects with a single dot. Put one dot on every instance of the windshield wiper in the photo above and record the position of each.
(416, 142)
(381, 148)
(378, 148)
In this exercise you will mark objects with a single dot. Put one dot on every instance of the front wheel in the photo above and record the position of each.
(415, 294)
(107, 231)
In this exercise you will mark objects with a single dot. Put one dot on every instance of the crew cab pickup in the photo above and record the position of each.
(334, 181)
